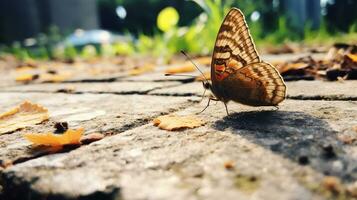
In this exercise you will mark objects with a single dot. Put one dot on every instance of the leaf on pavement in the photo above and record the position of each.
(186, 67)
(174, 122)
(140, 70)
(51, 139)
(24, 115)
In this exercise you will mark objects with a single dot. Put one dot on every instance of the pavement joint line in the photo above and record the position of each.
(92, 92)
(109, 80)
(147, 92)
(332, 98)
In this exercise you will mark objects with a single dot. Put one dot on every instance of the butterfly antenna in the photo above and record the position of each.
(194, 65)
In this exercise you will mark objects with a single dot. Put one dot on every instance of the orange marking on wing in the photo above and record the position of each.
(220, 77)
(220, 68)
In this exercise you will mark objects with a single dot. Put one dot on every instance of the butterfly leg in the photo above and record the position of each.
(277, 107)
(209, 100)
(225, 105)
(203, 95)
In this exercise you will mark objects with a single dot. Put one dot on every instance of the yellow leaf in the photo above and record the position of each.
(186, 67)
(141, 70)
(206, 75)
(174, 123)
(25, 78)
(353, 57)
(204, 60)
(23, 69)
(167, 18)
(24, 115)
(54, 78)
(50, 139)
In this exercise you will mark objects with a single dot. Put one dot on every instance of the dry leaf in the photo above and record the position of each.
(25, 78)
(229, 165)
(26, 114)
(203, 60)
(353, 57)
(332, 184)
(141, 70)
(54, 78)
(292, 66)
(173, 122)
(24, 68)
(186, 67)
(50, 139)
(92, 137)
(206, 75)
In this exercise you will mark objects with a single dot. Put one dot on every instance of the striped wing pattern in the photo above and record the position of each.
(266, 85)
(236, 66)
(234, 46)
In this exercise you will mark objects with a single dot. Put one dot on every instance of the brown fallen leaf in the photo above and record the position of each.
(229, 165)
(332, 184)
(204, 60)
(353, 57)
(92, 137)
(24, 69)
(292, 67)
(140, 70)
(206, 75)
(54, 78)
(186, 67)
(174, 123)
(26, 114)
(25, 78)
(51, 139)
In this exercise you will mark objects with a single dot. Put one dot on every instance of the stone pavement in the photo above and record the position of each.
(295, 152)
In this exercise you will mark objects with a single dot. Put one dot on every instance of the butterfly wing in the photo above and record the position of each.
(257, 84)
(237, 72)
(234, 47)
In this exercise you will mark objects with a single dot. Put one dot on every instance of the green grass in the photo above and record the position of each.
(197, 38)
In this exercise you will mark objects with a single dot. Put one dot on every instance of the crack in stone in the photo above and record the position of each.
(326, 98)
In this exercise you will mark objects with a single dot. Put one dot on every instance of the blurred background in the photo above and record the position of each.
(62, 29)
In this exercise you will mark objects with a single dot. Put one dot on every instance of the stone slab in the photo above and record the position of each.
(261, 145)
(105, 113)
(314, 90)
(94, 87)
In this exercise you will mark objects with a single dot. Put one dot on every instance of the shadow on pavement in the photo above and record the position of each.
(298, 136)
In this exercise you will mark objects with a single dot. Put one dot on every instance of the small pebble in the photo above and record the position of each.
(229, 165)
(329, 151)
(303, 160)
(61, 127)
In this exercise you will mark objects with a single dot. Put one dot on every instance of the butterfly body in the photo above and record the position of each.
(237, 72)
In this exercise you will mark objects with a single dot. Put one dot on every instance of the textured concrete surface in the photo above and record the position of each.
(254, 153)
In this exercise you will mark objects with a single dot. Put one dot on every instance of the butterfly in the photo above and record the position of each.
(237, 72)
